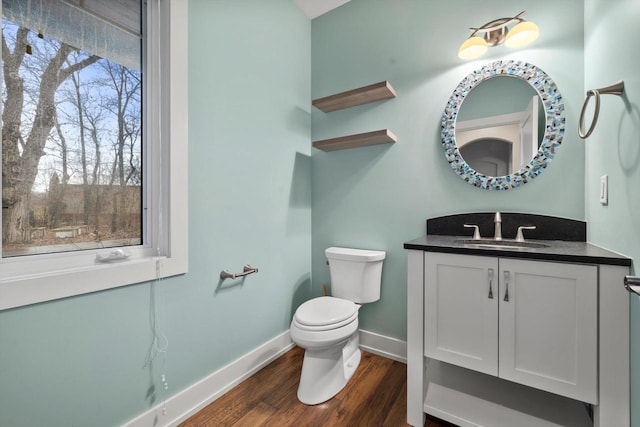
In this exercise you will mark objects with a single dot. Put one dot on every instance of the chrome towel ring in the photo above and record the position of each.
(615, 89)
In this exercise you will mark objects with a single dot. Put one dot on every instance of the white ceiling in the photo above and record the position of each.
(315, 8)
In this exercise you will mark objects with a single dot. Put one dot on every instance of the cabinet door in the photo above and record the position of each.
(548, 327)
(461, 310)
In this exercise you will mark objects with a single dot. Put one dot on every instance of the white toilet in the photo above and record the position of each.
(327, 327)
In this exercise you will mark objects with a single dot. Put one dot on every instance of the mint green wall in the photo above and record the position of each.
(252, 176)
(614, 147)
(80, 361)
(379, 197)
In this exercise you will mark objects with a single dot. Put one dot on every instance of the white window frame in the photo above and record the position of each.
(37, 278)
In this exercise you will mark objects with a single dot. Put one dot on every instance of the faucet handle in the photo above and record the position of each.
(476, 231)
(519, 236)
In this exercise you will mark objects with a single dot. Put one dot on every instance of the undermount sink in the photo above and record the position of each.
(501, 244)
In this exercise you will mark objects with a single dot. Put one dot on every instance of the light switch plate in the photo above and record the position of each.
(604, 190)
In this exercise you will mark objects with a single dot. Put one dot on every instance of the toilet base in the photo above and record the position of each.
(326, 371)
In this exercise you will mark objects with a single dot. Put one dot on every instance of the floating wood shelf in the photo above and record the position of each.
(383, 136)
(351, 98)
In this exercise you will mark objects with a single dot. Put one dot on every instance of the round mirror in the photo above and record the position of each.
(510, 126)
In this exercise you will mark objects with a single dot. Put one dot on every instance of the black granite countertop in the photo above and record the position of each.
(555, 250)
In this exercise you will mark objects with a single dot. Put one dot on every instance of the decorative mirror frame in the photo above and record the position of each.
(554, 125)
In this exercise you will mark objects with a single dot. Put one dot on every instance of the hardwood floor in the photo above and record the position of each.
(375, 396)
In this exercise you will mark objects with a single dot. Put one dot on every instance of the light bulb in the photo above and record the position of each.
(522, 34)
(472, 48)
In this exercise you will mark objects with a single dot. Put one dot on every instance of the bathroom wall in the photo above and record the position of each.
(81, 361)
(379, 197)
(614, 147)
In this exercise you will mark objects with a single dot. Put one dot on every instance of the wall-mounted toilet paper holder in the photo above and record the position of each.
(246, 270)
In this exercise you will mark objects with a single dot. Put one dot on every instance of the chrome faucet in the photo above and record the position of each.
(497, 220)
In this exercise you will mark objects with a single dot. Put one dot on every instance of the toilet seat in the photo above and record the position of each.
(325, 313)
(322, 337)
(324, 322)
(327, 327)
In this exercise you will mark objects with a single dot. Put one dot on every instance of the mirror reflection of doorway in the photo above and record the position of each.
(514, 135)
(489, 156)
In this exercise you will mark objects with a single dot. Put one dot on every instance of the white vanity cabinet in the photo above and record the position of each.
(531, 322)
(461, 311)
(517, 340)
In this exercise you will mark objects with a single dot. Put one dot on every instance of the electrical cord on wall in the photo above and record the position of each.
(159, 341)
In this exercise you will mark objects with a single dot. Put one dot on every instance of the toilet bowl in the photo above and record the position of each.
(327, 327)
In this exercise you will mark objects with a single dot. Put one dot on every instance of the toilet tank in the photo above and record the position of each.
(356, 274)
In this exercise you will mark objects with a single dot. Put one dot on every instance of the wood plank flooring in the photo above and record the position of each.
(375, 396)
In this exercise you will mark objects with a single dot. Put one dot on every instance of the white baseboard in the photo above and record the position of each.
(384, 346)
(192, 399)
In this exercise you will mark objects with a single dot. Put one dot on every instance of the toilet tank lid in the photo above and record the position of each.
(349, 254)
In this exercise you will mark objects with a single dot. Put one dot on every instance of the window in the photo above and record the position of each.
(91, 146)
(72, 127)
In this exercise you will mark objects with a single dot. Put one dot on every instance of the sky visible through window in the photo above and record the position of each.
(72, 147)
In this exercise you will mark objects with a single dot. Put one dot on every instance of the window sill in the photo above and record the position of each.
(36, 288)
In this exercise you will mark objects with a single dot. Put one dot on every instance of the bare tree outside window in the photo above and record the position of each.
(71, 147)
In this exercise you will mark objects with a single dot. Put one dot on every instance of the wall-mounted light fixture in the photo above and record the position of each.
(497, 32)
